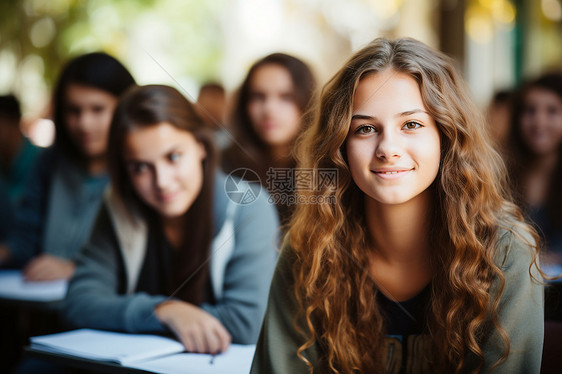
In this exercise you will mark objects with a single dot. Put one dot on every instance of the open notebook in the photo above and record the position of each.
(147, 352)
(13, 286)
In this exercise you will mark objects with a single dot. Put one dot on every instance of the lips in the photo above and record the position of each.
(268, 126)
(391, 173)
(167, 197)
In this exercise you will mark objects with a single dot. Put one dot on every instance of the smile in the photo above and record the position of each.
(390, 174)
(165, 198)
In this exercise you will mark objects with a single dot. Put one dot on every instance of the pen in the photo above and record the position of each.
(212, 362)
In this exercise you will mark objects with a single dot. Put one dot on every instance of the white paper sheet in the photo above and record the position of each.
(237, 360)
(108, 346)
(13, 286)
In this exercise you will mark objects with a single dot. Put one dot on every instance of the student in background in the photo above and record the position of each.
(536, 176)
(498, 116)
(211, 106)
(267, 118)
(65, 187)
(17, 155)
(170, 250)
(422, 264)
(536, 158)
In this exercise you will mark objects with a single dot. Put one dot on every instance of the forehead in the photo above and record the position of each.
(387, 90)
(271, 76)
(539, 95)
(154, 141)
(79, 94)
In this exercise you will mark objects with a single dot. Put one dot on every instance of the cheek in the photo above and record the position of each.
(188, 171)
(142, 184)
(526, 122)
(71, 123)
(429, 153)
(557, 121)
(253, 109)
(292, 114)
(356, 156)
(104, 120)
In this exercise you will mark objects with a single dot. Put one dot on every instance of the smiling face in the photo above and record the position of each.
(272, 109)
(88, 113)
(165, 167)
(393, 144)
(541, 121)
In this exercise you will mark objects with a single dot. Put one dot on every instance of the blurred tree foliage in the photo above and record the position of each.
(55, 30)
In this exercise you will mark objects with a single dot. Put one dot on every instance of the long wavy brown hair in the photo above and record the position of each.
(471, 203)
(249, 151)
(151, 105)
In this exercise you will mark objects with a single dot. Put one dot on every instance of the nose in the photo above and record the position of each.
(268, 105)
(389, 145)
(162, 177)
(85, 120)
(542, 119)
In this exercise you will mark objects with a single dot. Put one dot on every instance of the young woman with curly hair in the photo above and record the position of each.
(422, 264)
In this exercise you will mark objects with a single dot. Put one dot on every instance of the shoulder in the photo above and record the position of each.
(45, 161)
(287, 261)
(49, 156)
(515, 249)
(288, 256)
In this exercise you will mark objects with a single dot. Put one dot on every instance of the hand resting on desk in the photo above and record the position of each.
(46, 268)
(196, 329)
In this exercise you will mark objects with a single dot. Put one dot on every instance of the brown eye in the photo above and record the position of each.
(365, 129)
(412, 125)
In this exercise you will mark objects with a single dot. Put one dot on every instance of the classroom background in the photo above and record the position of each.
(497, 43)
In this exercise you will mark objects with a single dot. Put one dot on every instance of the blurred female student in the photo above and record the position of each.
(536, 164)
(267, 119)
(64, 190)
(170, 250)
(421, 263)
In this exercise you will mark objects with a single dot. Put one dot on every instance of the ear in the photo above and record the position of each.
(201, 151)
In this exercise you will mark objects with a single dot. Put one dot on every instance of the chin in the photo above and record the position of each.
(171, 213)
(93, 153)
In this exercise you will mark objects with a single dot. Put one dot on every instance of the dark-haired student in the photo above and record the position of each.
(267, 118)
(65, 187)
(536, 157)
(17, 156)
(170, 250)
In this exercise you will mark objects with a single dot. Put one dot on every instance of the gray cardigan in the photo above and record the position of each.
(59, 197)
(241, 265)
(521, 315)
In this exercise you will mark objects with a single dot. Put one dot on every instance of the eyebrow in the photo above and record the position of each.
(403, 114)
(175, 148)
